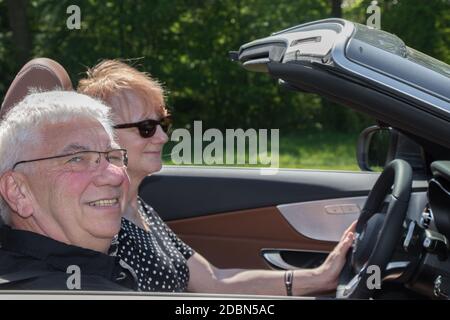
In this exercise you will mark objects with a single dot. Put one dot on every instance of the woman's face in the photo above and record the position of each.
(144, 154)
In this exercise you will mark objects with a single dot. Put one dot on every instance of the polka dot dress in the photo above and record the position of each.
(157, 256)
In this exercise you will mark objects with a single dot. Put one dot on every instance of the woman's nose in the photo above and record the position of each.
(160, 136)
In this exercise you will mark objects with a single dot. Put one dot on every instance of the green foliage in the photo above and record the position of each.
(7, 66)
(185, 43)
(306, 150)
(323, 150)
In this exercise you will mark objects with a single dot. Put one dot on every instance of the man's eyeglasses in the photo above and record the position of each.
(147, 128)
(87, 160)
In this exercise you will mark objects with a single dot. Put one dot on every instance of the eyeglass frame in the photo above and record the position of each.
(152, 121)
(125, 156)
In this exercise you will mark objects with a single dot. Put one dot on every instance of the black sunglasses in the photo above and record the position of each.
(147, 128)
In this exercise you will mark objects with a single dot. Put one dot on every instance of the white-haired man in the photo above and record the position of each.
(63, 186)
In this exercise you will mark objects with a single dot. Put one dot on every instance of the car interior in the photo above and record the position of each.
(374, 72)
(237, 218)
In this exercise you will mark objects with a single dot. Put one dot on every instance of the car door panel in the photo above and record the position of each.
(230, 215)
(179, 192)
(324, 220)
(235, 239)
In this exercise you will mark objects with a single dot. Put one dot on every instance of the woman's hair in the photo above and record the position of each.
(20, 129)
(111, 77)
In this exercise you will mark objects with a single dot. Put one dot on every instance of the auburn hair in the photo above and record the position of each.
(111, 77)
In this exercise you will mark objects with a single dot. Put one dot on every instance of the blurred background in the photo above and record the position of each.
(185, 45)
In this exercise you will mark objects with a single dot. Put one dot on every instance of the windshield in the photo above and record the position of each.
(388, 55)
(428, 62)
(380, 39)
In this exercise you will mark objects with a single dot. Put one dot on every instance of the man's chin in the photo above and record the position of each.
(107, 235)
(105, 229)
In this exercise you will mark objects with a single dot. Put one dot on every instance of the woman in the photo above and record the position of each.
(161, 260)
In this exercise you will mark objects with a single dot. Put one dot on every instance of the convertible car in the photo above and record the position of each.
(238, 218)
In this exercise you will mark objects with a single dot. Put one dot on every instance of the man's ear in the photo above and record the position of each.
(15, 192)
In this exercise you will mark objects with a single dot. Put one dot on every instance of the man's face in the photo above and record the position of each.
(78, 208)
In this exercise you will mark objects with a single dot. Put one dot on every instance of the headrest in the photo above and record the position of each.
(41, 73)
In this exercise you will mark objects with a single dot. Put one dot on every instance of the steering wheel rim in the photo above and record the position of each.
(398, 175)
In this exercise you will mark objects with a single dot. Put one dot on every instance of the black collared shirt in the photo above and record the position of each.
(29, 261)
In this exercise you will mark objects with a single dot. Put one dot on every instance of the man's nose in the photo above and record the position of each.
(109, 174)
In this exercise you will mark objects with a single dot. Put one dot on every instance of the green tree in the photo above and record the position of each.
(185, 44)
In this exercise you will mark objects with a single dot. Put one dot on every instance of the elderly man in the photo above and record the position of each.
(63, 186)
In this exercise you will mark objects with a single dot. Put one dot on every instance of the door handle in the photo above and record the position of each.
(289, 259)
(274, 259)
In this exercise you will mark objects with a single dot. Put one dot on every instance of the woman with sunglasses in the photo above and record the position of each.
(161, 260)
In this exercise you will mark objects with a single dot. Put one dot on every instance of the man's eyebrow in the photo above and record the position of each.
(74, 148)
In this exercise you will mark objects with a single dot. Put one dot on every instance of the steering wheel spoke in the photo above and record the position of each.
(352, 284)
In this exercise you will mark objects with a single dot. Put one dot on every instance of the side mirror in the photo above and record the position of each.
(377, 146)
(374, 148)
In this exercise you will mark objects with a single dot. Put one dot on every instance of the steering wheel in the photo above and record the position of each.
(377, 234)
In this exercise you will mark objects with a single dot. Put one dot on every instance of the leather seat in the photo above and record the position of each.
(41, 73)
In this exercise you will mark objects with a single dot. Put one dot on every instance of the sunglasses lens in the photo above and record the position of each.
(167, 128)
(147, 131)
(166, 124)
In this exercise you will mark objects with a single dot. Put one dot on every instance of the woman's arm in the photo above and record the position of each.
(206, 278)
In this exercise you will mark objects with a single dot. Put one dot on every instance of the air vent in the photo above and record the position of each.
(255, 58)
(306, 40)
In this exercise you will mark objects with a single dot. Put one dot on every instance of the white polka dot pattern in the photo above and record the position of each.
(158, 256)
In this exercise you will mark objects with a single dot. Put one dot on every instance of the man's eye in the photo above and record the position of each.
(75, 159)
(114, 159)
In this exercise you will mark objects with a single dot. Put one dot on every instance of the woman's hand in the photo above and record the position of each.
(329, 271)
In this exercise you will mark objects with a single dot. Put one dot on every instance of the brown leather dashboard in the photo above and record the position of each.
(234, 239)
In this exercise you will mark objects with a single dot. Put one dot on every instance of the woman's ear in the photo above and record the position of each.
(14, 190)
